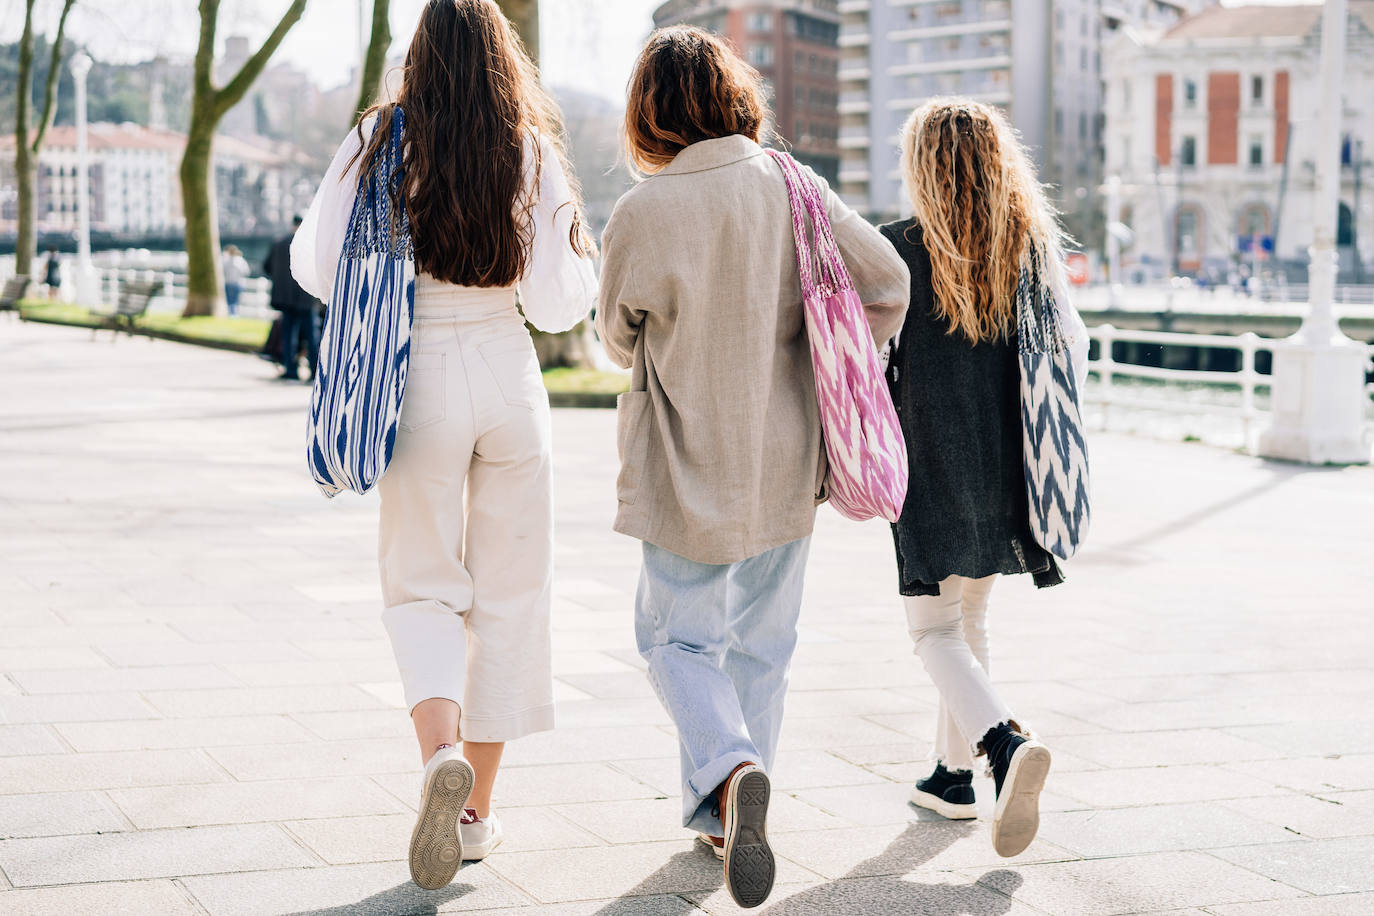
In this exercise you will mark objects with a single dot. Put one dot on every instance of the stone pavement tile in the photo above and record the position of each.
(810, 769)
(346, 890)
(607, 662)
(607, 713)
(1338, 905)
(661, 773)
(57, 814)
(18, 740)
(1312, 816)
(155, 734)
(333, 671)
(8, 688)
(116, 770)
(915, 723)
(368, 648)
(901, 751)
(610, 685)
(1169, 748)
(149, 854)
(328, 593)
(74, 707)
(566, 784)
(1336, 866)
(613, 871)
(880, 675)
(826, 732)
(660, 819)
(250, 802)
(1156, 828)
(945, 895)
(385, 838)
(298, 631)
(1312, 774)
(101, 680)
(1157, 688)
(806, 704)
(358, 724)
(657, 905)
(162, 898)
(30, 657)
(134, 655)
(867, 806)
(1344, 736)
(1159, 786)
(145, 634)
(585, 745)
(244, 701)
(318, 759)
(1134, 884)
(931, 843)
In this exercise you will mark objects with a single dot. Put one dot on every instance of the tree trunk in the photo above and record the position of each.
(374, 64)
(204, 280)
(524, 15)
(25, 169)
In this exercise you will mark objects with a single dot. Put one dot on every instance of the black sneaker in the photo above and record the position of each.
(749, 864)
(948, 794)
(1019, 767)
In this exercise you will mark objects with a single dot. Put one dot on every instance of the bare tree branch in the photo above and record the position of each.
(54, 75)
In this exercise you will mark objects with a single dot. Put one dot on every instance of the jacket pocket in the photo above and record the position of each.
(515, 368)
(426, 400)
(634, 412)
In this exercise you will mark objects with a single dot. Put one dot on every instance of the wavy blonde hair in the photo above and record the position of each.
(975, 196)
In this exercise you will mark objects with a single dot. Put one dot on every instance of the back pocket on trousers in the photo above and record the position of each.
(515, 368)
(426, 400)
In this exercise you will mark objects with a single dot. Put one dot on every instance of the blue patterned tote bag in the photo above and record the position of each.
(1055, 453)
(365, 353)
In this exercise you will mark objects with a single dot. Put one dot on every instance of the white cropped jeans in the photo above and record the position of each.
(950, 632)
(466, 544)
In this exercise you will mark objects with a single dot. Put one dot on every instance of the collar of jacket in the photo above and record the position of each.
(712, 154)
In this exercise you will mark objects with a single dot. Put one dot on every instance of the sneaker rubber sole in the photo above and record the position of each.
(436, 846)
(1016, 819)
(941, 807)
(749, 864)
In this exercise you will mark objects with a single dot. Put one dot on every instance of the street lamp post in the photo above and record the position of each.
(1318, 391)
(87, 280)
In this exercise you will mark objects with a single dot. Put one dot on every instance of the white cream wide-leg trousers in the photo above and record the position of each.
(466, 544)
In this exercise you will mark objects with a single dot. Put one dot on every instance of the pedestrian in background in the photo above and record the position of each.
(300, 311)
(720, 437)
(235, 268)
(467, 502)
(955, 379)
(52, 274)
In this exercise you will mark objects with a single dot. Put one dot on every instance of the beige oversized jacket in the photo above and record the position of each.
(719, 438)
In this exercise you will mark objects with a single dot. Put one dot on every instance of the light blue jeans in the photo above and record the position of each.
(718, 641)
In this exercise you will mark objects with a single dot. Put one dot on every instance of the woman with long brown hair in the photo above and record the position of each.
(720, 435)
(980, 216)
(466, 544)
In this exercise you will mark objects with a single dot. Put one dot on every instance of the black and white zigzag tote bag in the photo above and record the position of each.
(1055, 453)
(365, 353)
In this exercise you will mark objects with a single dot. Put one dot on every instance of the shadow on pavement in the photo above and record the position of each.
(406, 899)
(875, 885)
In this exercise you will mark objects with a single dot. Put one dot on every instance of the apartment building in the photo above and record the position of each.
(1038, 60)
(794, 45)
(1211, 126)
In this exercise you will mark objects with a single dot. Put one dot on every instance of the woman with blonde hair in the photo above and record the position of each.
(720, 433)
(980, 221)
(466, 544)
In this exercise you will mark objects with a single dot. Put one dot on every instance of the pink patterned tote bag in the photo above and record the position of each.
(863, 440)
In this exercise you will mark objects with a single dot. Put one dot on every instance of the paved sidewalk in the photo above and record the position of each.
(199, 712)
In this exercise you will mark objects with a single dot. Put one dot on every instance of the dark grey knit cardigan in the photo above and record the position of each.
(959, 405)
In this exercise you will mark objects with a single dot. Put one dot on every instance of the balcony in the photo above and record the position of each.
(852, 74)
(952, 65)
(855, 138)
(854, 102)
(854, 6)
(854, 38)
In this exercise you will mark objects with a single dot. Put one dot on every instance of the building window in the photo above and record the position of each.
(1059, 122)
(1189, 94)
(1126, 94)
(1256, 150)
(1187, 238)
(760, 22)
(952, 44)
(1256, 91)
(949, 10)
(1254, 220)
(1187, 155)
(761, 55)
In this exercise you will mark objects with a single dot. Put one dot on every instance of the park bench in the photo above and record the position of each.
(134, 297)
(16, 288)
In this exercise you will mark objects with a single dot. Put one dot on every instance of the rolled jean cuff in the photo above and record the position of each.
(696, 808)
(429, 640)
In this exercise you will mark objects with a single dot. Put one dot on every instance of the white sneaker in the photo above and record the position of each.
(480, 834)
(436, 844)
(717, 848)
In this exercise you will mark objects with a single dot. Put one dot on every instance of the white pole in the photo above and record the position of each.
(1319, 388)
(87, 281)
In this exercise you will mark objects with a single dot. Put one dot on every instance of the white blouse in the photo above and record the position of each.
(559, 286)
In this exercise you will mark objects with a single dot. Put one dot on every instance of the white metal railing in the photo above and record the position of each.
(1107, 369)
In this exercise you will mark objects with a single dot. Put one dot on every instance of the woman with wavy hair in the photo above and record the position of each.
(720, 434)
(466, 545)
(980, 217)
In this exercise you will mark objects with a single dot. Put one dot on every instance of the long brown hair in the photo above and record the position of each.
(474, 110)
(976, 198)
(688, 86)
